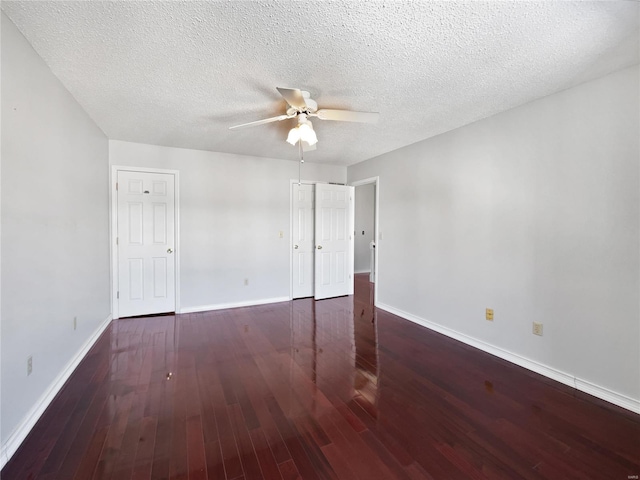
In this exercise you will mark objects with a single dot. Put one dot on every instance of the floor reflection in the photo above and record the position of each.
(334, 342)
(366, 343)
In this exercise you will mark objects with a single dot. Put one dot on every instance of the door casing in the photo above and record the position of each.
(113, 230)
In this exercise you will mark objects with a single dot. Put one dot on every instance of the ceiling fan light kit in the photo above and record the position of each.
(302, 106)
(302, 132)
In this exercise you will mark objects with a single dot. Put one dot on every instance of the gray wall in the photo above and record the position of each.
(534, 213)
(232, 209)
(364, 221)
(55, 244)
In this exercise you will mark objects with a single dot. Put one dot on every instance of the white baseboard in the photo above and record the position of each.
(223, 306)
(550, 372)
(24, 427)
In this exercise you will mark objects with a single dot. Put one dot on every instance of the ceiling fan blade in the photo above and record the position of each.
(260, 122)
(347, 116)
(293, 96)
(308, 148)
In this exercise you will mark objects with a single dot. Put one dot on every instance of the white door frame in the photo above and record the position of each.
(375, 181)
(113, 228)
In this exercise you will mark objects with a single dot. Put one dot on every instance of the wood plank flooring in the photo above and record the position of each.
(315, 390)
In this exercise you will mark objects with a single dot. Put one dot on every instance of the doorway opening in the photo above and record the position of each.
(367, 231)
(365, 220)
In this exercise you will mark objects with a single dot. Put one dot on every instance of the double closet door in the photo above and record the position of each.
(322, 240)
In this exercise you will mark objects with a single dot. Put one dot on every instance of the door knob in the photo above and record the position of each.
(319, 247)
(295, 246)
(169, 250)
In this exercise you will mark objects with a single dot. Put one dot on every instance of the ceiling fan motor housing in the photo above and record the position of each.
(311, 106)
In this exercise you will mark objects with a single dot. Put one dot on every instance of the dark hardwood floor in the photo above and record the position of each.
(314, 390)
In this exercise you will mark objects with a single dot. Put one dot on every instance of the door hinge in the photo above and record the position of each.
(116, 185)
(117, 294)
(117, 239)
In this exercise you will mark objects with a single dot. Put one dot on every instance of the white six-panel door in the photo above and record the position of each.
(145, 243)
(302, 241)
(334, 219)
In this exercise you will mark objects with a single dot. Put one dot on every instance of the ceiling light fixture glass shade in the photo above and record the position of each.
(307, 134)
(294, 136)
(303, 132)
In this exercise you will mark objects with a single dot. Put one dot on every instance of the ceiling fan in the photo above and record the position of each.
(302, 107)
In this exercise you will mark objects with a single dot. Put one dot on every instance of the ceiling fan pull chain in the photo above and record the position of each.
(300, 163)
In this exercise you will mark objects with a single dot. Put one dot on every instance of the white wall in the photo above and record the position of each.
(55, 243)
(232, 209)
(364, 221)
(534, 213)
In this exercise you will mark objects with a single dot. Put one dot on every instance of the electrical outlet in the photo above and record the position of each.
(246, 282)
(29, 365)
(489, 314)
(537, 328)
(75, 322)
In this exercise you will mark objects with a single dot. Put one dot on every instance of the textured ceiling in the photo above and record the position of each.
(180, 73)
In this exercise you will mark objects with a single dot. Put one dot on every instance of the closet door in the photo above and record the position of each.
(302, 241)
(334, 244)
